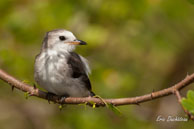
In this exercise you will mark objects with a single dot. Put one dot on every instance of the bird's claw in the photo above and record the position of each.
(62, 98)
(34, 86)
(49, 96)
(12, 88)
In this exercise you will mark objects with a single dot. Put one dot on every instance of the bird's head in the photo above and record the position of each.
(61, 40)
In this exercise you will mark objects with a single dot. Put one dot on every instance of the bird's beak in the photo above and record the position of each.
(77, 42)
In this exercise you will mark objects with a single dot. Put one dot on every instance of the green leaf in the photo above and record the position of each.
(94, 105)
(114, 109)
(110, 106)
(26, 94)
(97, 96)
(26, 81)
(190, 94)
(60, 107)
(91, 102)
(188, 103)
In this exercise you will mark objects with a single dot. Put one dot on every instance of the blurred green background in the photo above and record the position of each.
(134, 47)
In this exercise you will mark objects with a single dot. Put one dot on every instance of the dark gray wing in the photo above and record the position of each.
(78, 69)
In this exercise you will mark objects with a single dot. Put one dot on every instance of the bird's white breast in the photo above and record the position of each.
(53, 74)
(48, 70)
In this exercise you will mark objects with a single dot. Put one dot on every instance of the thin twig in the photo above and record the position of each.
(116, 102)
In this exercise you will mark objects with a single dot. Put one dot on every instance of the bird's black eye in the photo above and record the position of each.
(62, 38)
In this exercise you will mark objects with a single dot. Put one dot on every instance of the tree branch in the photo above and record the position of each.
(99, 102)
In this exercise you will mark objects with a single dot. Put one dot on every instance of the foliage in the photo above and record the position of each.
(188, 102)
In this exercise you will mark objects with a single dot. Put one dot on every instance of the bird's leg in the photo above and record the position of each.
(34, 85)
(63, 97)
(49, 96)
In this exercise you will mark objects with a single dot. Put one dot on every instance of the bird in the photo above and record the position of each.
(59, 70)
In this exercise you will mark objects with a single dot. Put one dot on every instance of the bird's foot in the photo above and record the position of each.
(62, 98)
(34, 86)
(49, 96)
